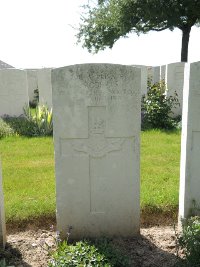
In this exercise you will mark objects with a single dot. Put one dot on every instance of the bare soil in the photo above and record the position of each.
(155, 247)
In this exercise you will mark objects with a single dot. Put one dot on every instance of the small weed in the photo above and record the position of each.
(189, 241)
(98, 253)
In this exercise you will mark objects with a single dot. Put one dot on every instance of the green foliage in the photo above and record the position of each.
(157, 108)
(5, 129)
(42, 120)
(34, 103)
(190, 241)
(21, 126)
(86, 253)
(35, 122)
(104, 23)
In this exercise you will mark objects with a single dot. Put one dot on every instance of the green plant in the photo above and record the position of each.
(21, 126)
(2, 263)
(99, 253)
(5, 129)
(189, 241)
(42, 119)
(35, 101)
(157, 107)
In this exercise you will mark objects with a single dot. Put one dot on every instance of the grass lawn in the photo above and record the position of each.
(29, 179)
(28, 174)
(160, 163)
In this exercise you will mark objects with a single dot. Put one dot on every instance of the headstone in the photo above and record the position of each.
(154, 74)
(163, 74)
(45, 87)
(96, 138)
(144, 78)
(2, 214)
(189, 197)
(13, 92)
(32, 82)
(175, 79)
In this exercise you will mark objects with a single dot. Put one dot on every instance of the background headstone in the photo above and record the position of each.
(144, 78)
(175, 80)
(13, 92)
(154, 74)
(163, 72)
(2, 214)
(96, 138)
(45, 87)
(189, 196)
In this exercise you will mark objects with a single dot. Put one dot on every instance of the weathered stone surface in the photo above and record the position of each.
(175, 80)
(45, 87)
(189, 196)
(96, 137)
(144, 77)
(2, 214)
(13, 92)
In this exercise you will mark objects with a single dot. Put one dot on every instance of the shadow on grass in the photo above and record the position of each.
(152, 215)
(32, 223)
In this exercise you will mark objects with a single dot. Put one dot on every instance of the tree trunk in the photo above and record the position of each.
(185, 43)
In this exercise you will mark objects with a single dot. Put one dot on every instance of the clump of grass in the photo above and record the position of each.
(5, 129)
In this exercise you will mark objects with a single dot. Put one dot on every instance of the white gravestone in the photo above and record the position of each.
(45, 87)
(154, 74)
(163, 74)
(2, 214)
(32, 83)
(144, 78)
(13, 92)
(175, 79)
(96, 137)
(189, 197)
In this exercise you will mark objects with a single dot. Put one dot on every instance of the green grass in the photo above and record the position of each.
(29, 179)
(160, 163)
(28, 174)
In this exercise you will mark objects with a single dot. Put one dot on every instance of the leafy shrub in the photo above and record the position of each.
(37, 122)
(157, 107)
(189, 241)
(5, 129)
(41, 119)
(21, 126)
(85, 253)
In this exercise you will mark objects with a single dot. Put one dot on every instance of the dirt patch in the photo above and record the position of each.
(156, 246)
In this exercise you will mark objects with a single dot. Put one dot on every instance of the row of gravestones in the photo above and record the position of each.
(172, 75)
(17, 87)
(97, 149)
